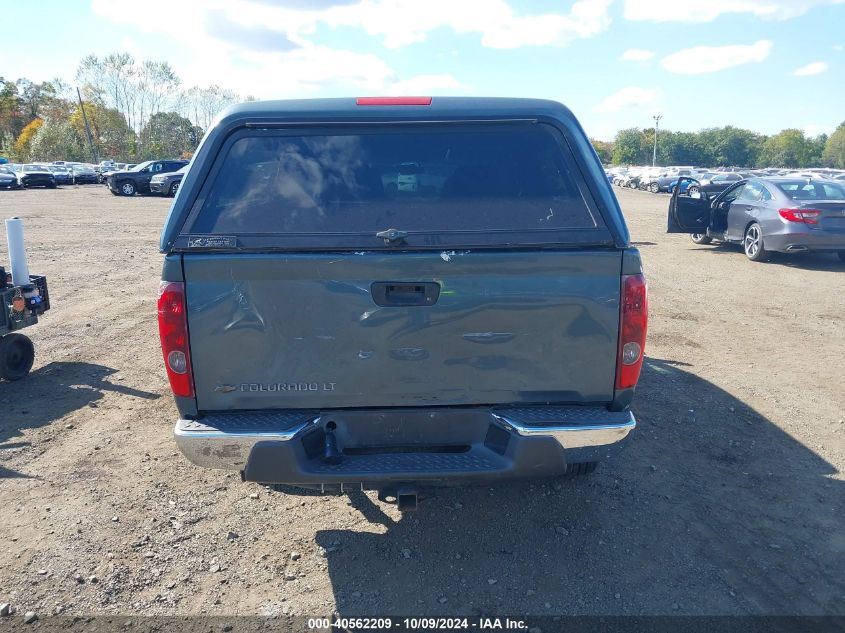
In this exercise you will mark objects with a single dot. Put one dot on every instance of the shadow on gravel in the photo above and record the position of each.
(804, 261)
(52, 392)
(710, 509)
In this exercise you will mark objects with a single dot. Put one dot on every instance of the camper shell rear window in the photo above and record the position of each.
(438, 185)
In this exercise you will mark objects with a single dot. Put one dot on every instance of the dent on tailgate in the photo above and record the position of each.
(290, 331)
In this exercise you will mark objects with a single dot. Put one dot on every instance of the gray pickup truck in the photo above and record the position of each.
(323, 330)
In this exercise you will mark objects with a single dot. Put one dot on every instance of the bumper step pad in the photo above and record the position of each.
(470, 461)
(403, 445)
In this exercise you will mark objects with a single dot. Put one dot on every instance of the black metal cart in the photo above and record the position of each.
(21, 306)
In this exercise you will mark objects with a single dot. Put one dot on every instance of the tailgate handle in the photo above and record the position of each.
(405, 293)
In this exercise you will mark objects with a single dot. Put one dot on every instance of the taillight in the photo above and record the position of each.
(807, 216)
(385, 101)
(173, 330)
(633, 322)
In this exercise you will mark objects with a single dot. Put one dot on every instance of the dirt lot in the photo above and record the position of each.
(728, 500)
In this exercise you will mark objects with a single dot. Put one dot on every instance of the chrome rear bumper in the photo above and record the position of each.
(583, 433)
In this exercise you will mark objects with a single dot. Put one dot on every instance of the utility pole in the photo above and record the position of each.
(656, 118)
(87, 128)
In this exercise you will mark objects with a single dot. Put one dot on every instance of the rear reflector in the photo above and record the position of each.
(633, 323)
(388, 101)
(807, 216)
(173, 331)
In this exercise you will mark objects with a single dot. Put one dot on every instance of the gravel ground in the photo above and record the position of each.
(728, 500)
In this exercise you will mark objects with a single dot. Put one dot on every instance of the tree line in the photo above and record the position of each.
(135, 111)
(725, 146)
(138, 110)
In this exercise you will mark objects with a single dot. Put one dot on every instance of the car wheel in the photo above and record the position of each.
(16, 356)
(127, 188)
(694, 189)
(700, 238)
(654, 187)
(174, 188)
(752, 243)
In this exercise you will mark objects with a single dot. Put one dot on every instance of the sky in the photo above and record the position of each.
(764, 65)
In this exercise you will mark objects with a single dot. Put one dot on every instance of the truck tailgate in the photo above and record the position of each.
(289, 330)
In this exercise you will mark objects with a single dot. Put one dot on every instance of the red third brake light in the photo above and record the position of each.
(173, 330)
(385, 101)
(633, 323)
(807, 216)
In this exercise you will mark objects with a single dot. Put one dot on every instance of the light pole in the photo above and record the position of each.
(656, 118)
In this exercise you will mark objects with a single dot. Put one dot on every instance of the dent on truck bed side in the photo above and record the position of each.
(172, 268)
(345, 111)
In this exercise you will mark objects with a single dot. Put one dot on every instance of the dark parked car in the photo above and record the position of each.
(167, 184)
(83, 175)
(36, 176)
(787, 215)
(318, 330)
(137, 179)
(106, 170)
(62, 174)
(8, 178)
(690, 181)
(717, 182)
(118, 167)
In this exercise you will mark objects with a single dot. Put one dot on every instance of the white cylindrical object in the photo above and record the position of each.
(17, 252)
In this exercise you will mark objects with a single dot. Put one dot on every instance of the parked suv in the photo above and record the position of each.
(167, 184)
(318, 330)
(137, 179)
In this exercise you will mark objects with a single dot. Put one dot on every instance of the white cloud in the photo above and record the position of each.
(632, 96)
(697, 11)
(268, 48)
(290, 67)
(402, 22)
(636, 55)
(312, 69)
(708, 59)
(397, 22)
(813, 68)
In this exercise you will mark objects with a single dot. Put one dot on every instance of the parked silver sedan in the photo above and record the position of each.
(782, 214)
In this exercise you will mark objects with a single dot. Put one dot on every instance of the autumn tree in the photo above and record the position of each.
(111, 136)
(137, 90)
(57, 140)
(24, 142)
(11, 116)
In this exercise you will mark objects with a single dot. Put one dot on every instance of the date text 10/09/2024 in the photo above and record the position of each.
(414, 624)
